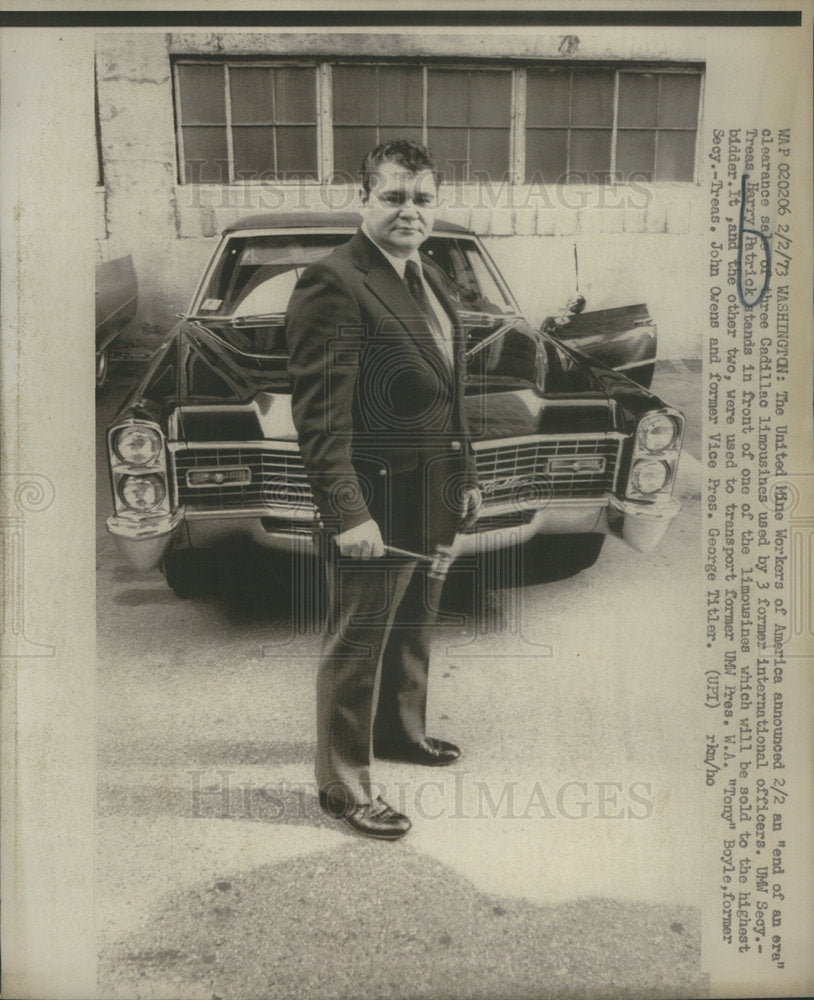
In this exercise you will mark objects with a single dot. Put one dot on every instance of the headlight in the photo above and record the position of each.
(649, 476)
(657, 433)
(142, 493)
(137, 445)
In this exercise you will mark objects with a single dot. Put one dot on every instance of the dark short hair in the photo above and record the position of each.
(411, 155)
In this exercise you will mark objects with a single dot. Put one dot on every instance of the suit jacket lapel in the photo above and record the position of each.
(393, 294)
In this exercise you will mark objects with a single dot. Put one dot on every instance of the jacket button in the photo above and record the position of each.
(382, 472)
(455, 445)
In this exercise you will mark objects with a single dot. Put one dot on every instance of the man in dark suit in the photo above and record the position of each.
(375, 361)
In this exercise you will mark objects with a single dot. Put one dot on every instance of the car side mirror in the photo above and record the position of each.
(572, 308)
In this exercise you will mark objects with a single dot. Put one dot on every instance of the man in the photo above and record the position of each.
(375, 362)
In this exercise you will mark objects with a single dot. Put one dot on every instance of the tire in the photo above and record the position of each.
(544, 559)
(102, 368)
(188, 572)
(253, 584)
(547, 558)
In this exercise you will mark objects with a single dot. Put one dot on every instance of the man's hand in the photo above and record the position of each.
(472, 503)
(362, 542)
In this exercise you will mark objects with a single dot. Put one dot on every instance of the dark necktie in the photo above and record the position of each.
(416, 287)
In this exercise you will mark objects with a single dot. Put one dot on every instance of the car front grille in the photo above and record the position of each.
(519, 474)
(276, 479)
(546, 469)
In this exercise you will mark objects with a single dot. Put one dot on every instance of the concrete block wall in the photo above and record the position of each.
(137, 138)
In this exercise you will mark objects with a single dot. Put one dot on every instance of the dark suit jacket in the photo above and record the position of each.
(378, 409)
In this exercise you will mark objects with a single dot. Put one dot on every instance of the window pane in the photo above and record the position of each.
(447, 97)
(350, 147)
(252, 94)
(635, 155)
(399, 132)
(205, 156)
(449, 148)
(254, 152)
(490, 98)
(675, 156)
(202, 95)
(678, 103)
(354, 95)
(546, 152)
(400, 95)
(296, 151)
(592, 97)
(638, 100)
(590, 156)
(489, 153)
(548, 96)
(295, 95)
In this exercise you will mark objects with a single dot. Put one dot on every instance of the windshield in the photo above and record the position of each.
(255, 275)
(245, 297)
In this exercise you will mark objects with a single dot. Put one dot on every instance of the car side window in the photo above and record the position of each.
(469, 282)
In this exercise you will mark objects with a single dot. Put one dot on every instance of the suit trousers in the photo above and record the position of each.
(372, 676)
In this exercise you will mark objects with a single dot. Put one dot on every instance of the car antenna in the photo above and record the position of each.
(577, 304)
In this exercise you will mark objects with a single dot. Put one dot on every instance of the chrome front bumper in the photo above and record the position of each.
(144, 541)
(641, 526)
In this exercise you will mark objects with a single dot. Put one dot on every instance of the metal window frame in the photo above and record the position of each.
(329, 173)
(463, 66)
(232, 62)
(517, 119)
(658, 70)
(469, 67)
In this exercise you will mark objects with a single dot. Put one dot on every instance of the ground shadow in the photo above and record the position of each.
(253, 585)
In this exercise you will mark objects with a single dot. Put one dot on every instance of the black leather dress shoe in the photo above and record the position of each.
(430, 752)
(371, 819)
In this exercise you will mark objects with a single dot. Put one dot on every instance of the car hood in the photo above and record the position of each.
(206, 384)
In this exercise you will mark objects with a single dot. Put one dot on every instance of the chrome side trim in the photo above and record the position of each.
(514, 506)
(304, 515)
(277, 445)
(535, 438)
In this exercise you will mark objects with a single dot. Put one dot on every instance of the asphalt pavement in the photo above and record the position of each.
(558, 859)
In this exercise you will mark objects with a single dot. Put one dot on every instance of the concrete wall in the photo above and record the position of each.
(635, 243)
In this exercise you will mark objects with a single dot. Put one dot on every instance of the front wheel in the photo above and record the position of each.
(188, 572)
(543, 559)
(547, 558)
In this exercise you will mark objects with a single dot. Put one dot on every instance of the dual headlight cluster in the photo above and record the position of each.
(656, 448)
(139, 469)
